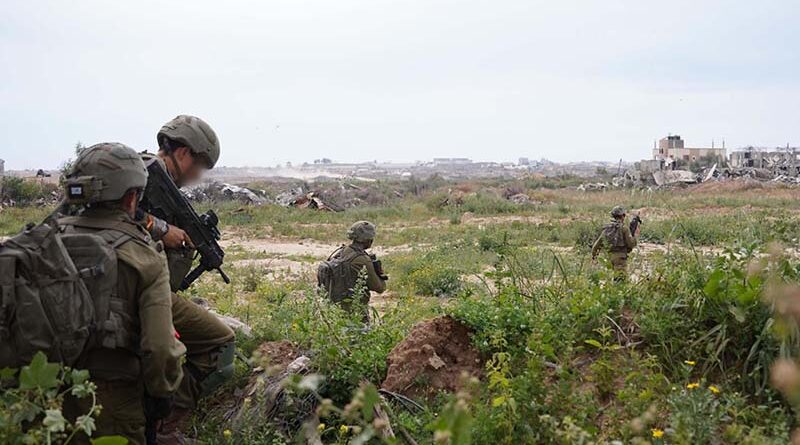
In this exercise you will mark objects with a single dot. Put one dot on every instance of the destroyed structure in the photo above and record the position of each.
(674, 164)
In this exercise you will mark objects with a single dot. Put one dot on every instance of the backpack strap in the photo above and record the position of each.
(130, 229)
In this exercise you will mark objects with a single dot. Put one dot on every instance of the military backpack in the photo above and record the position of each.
(336, 277)
(58, 293)
(612, 232)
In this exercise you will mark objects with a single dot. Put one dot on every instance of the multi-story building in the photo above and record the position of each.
(671, 149)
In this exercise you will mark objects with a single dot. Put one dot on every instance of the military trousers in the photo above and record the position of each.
(122, 413)
(619, 263)
(204, 336)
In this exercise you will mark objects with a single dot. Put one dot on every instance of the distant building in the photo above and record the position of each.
(765, 158)
(2, 167)
(672, 148)
(524, 161)
(451, 161)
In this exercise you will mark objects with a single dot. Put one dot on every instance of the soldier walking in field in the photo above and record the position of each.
(187, 148)
(617, 239)
(339, 275)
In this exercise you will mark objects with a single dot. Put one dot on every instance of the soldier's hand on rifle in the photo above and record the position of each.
(176, 238)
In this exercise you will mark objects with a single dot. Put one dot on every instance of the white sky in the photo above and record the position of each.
(295, 80)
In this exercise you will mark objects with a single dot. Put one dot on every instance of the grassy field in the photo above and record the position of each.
(680, 354)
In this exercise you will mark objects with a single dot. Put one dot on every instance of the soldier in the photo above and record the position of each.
(339, 275)
(146, 356)
(187, 148)
(617, 238)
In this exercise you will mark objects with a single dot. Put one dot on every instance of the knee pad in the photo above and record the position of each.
(223, 372)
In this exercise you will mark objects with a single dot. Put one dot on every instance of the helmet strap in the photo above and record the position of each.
(175, 165)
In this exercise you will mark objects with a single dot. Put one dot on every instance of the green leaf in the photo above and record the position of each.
(498, 401)
(54, 421)
(713, 284)
(7, 373)
(110, 440)
(371, 398)
(79, 376)
(594, 343)
(86, 424)
(737, 313)
(39, 374)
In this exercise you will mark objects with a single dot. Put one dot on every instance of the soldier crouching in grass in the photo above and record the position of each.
(616, 237)
(339, 275)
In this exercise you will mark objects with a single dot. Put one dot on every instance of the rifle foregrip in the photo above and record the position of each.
(192, 277)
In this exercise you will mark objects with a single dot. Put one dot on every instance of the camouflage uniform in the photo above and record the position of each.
(209, 341)
(152, 362)
(122, 376)
(361, 234)
(616, 237)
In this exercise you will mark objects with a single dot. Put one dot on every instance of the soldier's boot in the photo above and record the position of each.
(170, 430)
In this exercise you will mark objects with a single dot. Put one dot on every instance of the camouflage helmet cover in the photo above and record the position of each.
(193, 133)
(618, 211)
(104, 172)
(361, 231)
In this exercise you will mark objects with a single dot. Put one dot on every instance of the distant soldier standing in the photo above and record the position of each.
(339, 275)
(187, 148)
(616, 237)
(110, 311)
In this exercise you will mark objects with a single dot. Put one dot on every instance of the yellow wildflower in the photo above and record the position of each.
(657, 433)
(693, 386)
(343, 429)
(321, 427)
(690, 362)
(227, 434)
(714, 389)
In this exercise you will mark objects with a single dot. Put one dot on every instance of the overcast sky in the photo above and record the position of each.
(295, 80)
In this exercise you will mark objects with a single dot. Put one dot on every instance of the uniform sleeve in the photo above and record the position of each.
(374, 282)
(161, 353)
(630, 241)
(155, 226)
(598, 244)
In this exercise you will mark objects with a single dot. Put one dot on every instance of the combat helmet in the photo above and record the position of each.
(618, 212)
(361, 231)
(194, 133)
(104, 172)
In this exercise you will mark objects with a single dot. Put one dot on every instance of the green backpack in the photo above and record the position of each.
(57, 292)
(336, 277)
(612, 232)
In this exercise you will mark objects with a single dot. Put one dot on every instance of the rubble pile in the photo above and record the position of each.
(220, 191)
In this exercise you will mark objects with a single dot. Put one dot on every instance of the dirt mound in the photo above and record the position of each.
(278, 353)
(432, 358)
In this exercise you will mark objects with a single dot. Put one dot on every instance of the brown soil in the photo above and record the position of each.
(278, 353)
(432, 358)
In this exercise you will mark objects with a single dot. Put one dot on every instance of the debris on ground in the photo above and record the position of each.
(432, 358)
(313, 200)
(276, 353)
(592, 186)
(220, 191)
(266, 399)
(520, 198)
(672, 177)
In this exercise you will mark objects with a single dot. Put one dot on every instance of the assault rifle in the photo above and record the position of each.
(636, 221)
(378, 265)
(161, 198)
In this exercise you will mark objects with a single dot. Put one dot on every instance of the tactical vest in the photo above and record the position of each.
(59, 291)
(336, 277)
